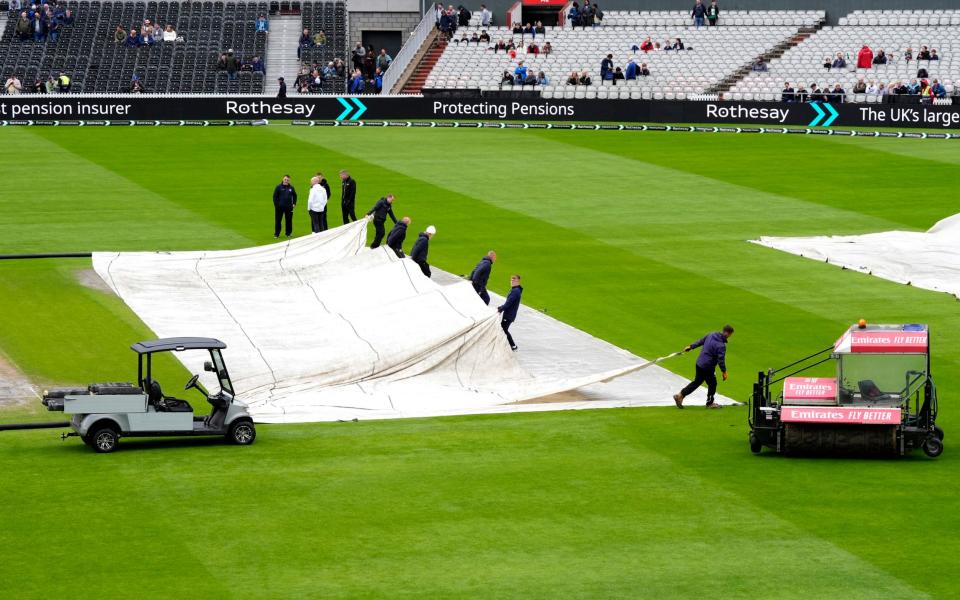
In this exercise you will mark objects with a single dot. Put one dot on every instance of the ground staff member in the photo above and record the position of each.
(380, 210)
(509, 308)
(284, 199)
(481, 274)
(397, 235)
(421, 247)
(714, 353)
(348, 197)
(317, 206)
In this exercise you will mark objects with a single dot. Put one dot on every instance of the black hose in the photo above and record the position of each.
(47, 255)
(18, 426)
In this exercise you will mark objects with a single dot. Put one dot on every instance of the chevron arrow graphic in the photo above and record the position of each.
(816, 119)
(348, 108)
(833, 115)
(361, 108)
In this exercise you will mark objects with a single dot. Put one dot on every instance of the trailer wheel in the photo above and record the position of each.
(242, 433)
(104, 439)
(932, 447)
(938, 431)
(755, 445)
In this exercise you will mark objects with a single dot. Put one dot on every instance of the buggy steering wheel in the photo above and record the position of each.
(192, 382)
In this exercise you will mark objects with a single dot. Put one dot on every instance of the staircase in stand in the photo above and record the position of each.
(740, 74)
(418, 78)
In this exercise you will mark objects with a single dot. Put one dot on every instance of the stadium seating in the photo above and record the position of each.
(330, 18)
(893, 31)
(712, 54)
(87, 52)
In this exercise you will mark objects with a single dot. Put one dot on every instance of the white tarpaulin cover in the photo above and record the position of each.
(321, 328)
(929, 260)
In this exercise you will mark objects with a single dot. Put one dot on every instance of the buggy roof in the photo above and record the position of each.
(884, 339)
(178, 344)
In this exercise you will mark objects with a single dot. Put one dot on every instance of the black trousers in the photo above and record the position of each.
(506, 329)
(707, 376)
(348, 214)
(398, 250)
(484, 296)
(425, 268)
(379, 233)
(318, 221)
(279, 214)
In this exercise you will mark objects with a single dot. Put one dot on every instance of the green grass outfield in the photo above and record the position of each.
(636, 237)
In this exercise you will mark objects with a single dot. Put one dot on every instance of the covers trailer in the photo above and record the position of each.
(881, 402)
(103, 413)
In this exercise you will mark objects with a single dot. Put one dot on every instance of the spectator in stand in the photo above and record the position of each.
(933, 55)
(922, 72)
(378, 80)
(448, 23)
(169, 33)
(865, 57)
(698, 13)
(643, 71)
(588, 15)
(369, 63)
(24, 28)
(136, 86)
(15, 6)
(384, 60)
(53, 29)
(418, 253)
(860, 87)
(485, 17)
(713, 13)
(319, 38)
(631, 72)
(539, 28)
(520, 73)
(68, 17)
(759, 65)
(484, 37)
(356, 82)
(801, 94)
(340, 67)
(357, 55)
(257, 66)
(232, 65)
(438, 12)
(13, 86)
(542, 79)
(908, 54)
(814, 94)
(329, 71)
(585, 78)
(397, 235)
(646, 45)
(50, 85)
(533, 49)
(547, 49)
(678, 44)
(63, 83)
(262, 25)
(786, 94)
(574, 15)
(304, 42)
(463, 16)
(284, 201)
(282, 90)
(827, 63)
(914, 87)
(507, 77)
(531, 79)
(926, 93)
(317, 206)
(880, 58)
(924, 53)
(157, 35)
(839, 94)
(574, 78)
(517, 28)
(871, 89)
(119, 35)
(39, 26)
(618, 75)
(38, 87)
(839, 62)
(606, 67)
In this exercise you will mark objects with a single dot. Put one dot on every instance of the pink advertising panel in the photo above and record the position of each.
(894, 342)
(840, 415)
(809, 388)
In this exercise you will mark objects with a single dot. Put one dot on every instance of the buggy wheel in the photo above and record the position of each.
(242, 433)
(932, 447)
(755, 445)
(104, 439)
(938, 431)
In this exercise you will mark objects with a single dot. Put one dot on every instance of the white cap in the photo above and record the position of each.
(431, 230)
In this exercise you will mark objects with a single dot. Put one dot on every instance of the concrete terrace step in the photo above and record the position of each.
(282, 58)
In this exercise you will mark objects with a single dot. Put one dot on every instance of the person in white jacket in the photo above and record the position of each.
(317, 206)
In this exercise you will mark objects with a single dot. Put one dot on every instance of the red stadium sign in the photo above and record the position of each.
(544, 2)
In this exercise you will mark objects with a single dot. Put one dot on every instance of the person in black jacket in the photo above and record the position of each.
(282, 90)
(509, 308)
(421, 247)
(380, 210)
(481, 274)
(397, 235)
(348, 197)
(324, 184)
(284, 201)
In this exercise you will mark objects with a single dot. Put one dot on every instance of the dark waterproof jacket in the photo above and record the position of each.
(285, 197)
(421, 247)
(381, 209)
(481, 274)
(397, 235)
(512, 305)
(714, 351)
(348, 191)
